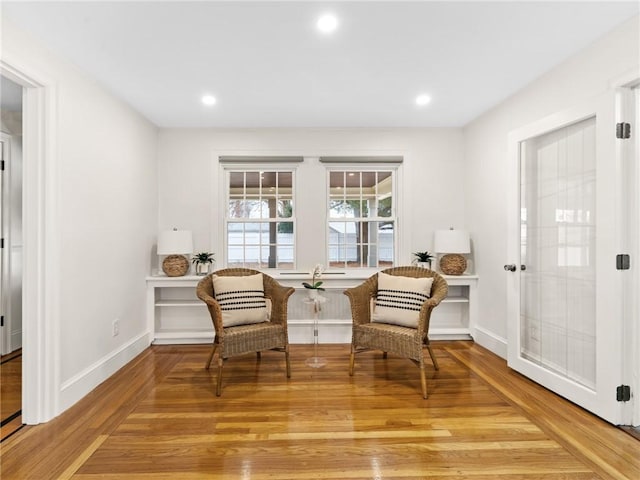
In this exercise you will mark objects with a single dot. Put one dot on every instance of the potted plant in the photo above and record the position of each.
(423, 259)
(203, 261)
(315, 286)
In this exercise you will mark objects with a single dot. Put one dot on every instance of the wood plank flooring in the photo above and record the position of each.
(10, 393)
(158, 418)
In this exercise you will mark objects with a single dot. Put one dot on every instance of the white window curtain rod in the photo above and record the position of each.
(393, 159)
(259, 159)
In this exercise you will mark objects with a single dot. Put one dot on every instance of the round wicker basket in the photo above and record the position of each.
(175, 266)
(453, 264)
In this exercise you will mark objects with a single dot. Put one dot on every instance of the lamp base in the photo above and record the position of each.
(453, 264)
(175, 266)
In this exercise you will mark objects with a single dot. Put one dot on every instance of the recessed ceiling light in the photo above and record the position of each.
(209, 100)
(422, 100)
(327, 23)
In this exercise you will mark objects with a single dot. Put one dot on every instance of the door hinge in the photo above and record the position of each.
(2, 165)
(2, 321)
(623, 261)
(623, 393)
(623, 130)
(1, 242)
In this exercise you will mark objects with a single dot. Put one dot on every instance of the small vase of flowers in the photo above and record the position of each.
(315, 286)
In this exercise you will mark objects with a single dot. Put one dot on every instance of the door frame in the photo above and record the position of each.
(633, 344)
(627, 93)
(600, 401)
(627, 90)
(6, 343)
(40, 301)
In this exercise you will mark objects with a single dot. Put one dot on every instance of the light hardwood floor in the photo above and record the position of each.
(158, 418)
(10, 393)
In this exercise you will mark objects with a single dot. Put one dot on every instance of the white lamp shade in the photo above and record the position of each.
(175, 242)
(451, 241)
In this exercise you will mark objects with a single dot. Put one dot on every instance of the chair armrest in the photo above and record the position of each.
(203, 289)
(279, 296)
(214, 311)
(439, 291)
(360, 300)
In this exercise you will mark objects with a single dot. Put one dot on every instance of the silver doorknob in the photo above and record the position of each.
(510, 267)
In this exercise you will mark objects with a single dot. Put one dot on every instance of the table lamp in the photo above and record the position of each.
(176, 244)
(452, 243)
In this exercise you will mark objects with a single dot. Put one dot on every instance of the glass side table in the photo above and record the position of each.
(316, 305)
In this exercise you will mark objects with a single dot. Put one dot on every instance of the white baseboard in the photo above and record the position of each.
(183, 337)
(491, 341)
(81, 384)
(331, 331)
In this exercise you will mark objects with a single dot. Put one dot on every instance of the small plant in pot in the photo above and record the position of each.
(203, 261)
(315, 286)
(423, 259)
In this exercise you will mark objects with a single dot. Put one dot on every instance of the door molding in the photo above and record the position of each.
(6, 345)
(628, 150)
(40, 301)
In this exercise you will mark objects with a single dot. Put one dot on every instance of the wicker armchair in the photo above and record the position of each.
(403, 341)
(242, 339)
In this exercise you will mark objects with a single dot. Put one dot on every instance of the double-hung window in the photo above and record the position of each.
(361, 218)
(358, 212)
(260, 219)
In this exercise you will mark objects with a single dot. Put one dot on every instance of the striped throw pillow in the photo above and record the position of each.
(241, 299)
(399, 299)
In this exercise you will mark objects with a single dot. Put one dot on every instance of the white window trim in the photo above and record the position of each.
(394, 159)
(360, 164)
(274, 164)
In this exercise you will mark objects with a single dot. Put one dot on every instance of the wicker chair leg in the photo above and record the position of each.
(384, 355)
(352, 361)
(423, 380)
(286, 359)
(219, 380)
(213, 352)
(259, 355)
(433, 357)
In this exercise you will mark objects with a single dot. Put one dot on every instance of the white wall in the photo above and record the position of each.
(431, 187)
(583, 76)
(112, 197)
(106, 215)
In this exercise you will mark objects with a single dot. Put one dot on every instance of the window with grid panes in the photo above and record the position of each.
(260, 219)
(361, 224)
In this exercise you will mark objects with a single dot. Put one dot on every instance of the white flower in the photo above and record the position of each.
(315, 274)
(317, 271)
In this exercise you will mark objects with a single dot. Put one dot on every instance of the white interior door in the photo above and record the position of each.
(5, 337)
(565, 315)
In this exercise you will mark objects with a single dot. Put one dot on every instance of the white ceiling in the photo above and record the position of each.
(269, 67)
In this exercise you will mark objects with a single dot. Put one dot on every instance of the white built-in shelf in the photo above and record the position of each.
(172, 318)
(179, 303)
(456, 299)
